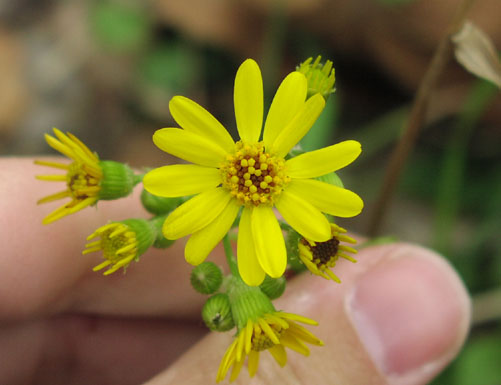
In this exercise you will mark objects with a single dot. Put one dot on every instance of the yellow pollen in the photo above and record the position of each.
(253, 176)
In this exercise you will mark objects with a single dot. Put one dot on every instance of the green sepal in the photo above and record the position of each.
(118, 180)
(160, 241)
(216, 313)
(331, 178)
(247, 302)
(159, 205)
(273, 287)
(145, 233)
(206, 278)
(291, 243)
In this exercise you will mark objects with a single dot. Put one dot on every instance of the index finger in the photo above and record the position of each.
(43, 271)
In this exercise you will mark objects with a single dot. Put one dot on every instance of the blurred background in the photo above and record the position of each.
(105, 71)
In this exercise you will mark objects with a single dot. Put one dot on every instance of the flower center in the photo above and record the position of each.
(324, 253)
(254, 176)
(117, 242)
(260, 341)
(81, 182)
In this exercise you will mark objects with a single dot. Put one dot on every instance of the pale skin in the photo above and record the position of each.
(61, 323)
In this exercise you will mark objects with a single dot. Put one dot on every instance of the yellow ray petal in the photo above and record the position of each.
(235, 371)
(248, 100)
(203, 241)
(52, 178)
(293, 343)
(248, 266)
(52, 164)
(196, 213)
(298, 126)
(279, 354)
(194, 118)
(253, 363)
(323, 161)
(327, 198)
(303, 217)
(268, 241)
(55, 197)
(287, 102)
(189, 146)
(181, 180)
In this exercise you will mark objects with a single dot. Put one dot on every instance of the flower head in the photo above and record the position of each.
(83, 176)
(321, 77)
(87, 178)
(320, 257)
(121, 243)
(274, 332)
(252, 174)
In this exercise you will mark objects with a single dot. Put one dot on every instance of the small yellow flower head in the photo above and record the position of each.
(87, 178)
(321, 77)
(272, 331)
(83, 176)
(121, 243)
(260, 327)
(320, 257)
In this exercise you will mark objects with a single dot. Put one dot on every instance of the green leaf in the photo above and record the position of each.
(322, 132)
(478, 364)
(119, 27)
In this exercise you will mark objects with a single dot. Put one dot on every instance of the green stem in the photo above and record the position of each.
(230, 257)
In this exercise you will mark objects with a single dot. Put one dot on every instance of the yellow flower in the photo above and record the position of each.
(83, 175)
(273, 332)
(251, 173)
(121, 242)
(319, 257)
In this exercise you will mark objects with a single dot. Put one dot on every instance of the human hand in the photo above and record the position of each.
(400, 315)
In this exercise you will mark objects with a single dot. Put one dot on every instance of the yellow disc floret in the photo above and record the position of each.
(254, 176)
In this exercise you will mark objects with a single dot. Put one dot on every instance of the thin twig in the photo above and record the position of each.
(416, 118)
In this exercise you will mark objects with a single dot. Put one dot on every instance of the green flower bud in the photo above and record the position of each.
(206, 278)
(159, 205)
(216, 313)
(321, 77)
(273, 287)
(160, 241)
(118, 180)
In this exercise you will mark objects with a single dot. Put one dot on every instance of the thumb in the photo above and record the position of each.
(399, 317)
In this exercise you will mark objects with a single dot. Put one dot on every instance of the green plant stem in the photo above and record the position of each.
(454, 162)
(416, 118)
(230, 257)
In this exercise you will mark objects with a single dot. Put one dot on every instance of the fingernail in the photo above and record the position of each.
(411, 313)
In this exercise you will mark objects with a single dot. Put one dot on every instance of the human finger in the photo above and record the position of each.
(42, 270)
(399, 316)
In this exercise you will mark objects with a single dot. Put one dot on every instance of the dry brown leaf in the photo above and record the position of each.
(475, 51)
